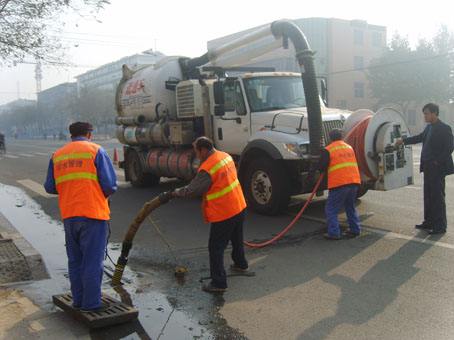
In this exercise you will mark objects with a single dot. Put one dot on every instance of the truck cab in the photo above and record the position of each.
(261, 120)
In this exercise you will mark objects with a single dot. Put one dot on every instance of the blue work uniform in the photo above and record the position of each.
(86, 238)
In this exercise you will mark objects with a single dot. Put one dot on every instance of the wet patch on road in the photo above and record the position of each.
(168, 308)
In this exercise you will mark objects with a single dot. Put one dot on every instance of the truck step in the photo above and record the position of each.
(117, 312)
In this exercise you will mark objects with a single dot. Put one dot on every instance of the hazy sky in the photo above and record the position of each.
(183, 28)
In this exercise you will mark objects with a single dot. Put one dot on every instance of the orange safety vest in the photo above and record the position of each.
(76, 179)
(225, 197)
(343, 167)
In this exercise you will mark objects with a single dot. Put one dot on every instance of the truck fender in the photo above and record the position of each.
(258, 146)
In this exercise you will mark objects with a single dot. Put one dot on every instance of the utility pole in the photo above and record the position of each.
(38, 76)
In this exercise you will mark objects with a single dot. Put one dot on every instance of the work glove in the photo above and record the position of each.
(166, 196)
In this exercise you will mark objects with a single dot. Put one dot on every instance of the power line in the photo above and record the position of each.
(409, 61)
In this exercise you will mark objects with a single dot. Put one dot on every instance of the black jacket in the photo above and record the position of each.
(440, 146)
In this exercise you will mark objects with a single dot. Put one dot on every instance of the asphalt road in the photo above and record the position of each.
(392, 282)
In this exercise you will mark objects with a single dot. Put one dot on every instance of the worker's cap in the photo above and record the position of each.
(80, 129)
(335, 134)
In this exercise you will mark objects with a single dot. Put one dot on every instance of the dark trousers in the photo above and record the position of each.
(338, 198)
(220, 235)
(434, 197)
(86, 241)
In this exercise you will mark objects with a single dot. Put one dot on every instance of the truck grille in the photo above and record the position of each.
(328, 125)
(185, 101)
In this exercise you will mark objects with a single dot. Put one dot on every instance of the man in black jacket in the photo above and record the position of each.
(436, 163)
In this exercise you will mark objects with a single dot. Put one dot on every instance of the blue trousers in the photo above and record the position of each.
(338, 198)
(86, 241)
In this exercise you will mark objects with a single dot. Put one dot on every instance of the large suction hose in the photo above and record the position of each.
(305, 56)
(146, 210)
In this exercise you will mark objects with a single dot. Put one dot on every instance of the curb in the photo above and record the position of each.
(34, 263)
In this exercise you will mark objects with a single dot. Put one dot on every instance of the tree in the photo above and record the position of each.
(24, 27)
(409, 77)
(96, 106)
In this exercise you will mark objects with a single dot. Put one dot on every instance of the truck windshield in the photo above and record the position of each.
(274, 93)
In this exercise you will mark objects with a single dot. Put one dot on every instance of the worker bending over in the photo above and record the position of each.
(339, 162)
(83, 176)
(223, 206)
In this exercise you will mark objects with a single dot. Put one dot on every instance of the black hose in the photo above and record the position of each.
(305, 56)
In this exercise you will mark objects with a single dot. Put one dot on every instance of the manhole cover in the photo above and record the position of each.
(116, 312)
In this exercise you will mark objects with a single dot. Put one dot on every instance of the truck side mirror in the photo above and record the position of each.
(218, 88)
(324, 91)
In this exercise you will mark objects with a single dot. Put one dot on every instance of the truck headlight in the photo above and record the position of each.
(297, 149)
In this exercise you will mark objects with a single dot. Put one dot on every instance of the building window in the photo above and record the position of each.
(358, 37)
(376, 39)
(358, 62)
(359, 89)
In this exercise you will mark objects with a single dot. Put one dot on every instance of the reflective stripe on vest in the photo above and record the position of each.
(223, 192)
(76, 179)
(220, 164)
(343, 167)
(225, 197)
(76, 175)
(81, 155)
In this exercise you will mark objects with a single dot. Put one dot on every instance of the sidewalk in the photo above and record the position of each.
(20, 318)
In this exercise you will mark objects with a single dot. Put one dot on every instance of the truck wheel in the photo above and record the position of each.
(362, 191)
(136, 174)
(266, 186)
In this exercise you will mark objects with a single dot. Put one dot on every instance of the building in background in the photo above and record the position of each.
(17, 104)
(56, 106)
(107, 77)
(343, 49)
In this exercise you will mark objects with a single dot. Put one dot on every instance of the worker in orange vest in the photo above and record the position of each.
(82, 175)
(339, 162)
(223, 206)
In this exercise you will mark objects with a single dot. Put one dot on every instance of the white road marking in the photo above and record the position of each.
(388, 234)
(413, 187)
(25, 155)
(120, 173)
(35, 187)
(10, 156)
(391, 235)
(42, 153)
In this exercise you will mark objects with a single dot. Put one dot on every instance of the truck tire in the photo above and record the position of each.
(266, 186)
(136, 174)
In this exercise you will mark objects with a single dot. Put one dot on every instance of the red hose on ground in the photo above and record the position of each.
(290, 226)
(355, 138)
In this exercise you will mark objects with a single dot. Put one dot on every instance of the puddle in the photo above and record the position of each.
(160, 316)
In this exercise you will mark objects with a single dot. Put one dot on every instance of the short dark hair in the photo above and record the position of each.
(78, 129)
(431, 107)
(335, 134)
(203, 143)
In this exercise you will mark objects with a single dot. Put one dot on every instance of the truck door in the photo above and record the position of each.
(232, 130)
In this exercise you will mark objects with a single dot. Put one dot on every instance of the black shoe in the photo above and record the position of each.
(331, 237)
(350, 234)
(209, 288)
(235, 268)
(436, 231)
(422, 226)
